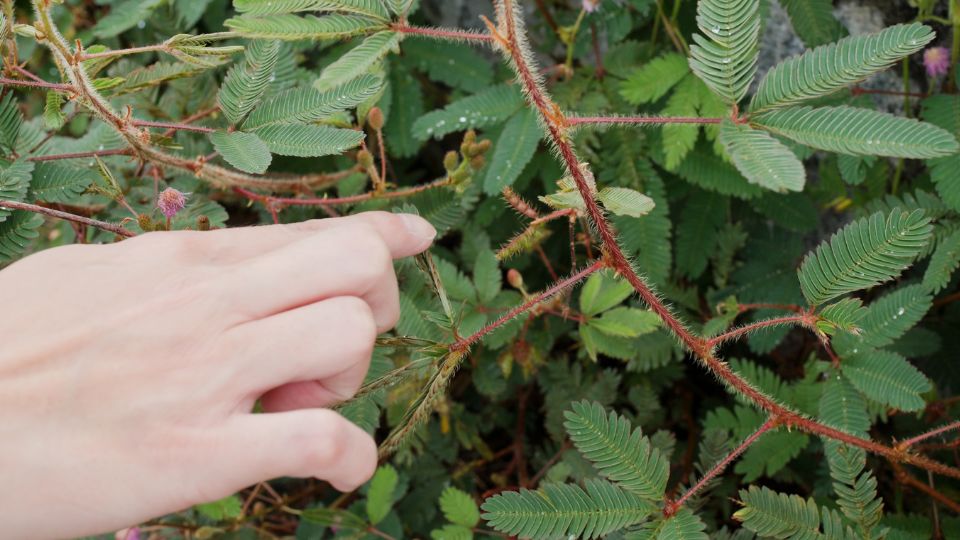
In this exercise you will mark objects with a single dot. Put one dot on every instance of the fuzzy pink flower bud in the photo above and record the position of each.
(937, 61)
(171, 201)
(590, 5)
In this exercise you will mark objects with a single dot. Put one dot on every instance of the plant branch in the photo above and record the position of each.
(440, 33)
(124, 52)
(510, 39)
(627, 120)
(908, 479)
(36, 84)
(671, 508)
(50, 212)
(172, 126)
(744, 330)
(281, 202)
(82, 155)
(930, 434)
(465, 343)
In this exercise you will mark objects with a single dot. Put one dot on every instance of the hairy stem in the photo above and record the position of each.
(440, 33)
(930, 434)
(625, 120)
(747, 329)
(50, 212)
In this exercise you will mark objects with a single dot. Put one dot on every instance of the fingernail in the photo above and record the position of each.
(418, 227)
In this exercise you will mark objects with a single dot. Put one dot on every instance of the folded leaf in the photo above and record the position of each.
(244, 151)
(762, 159)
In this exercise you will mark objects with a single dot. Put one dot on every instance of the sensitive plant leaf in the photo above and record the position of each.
(459, 508)
(864, 254)
(358, 61)
(619, 453)
(289, 27)
(943, 172)
(813, 21)
(59, 183)
(307, 140)
(380, 497)
(855, 131)
(626, 322)
(890, 317)
(945, 261)
(307, 105)
(777, 515)
(887, 378)
(452, 532)
(455, 64)
(123, 16)
(245, 151)
(17, 233)
(652, 81)
(14, 182)
(827, 69)
(725, 53)
(565, 510)
(697, 231)
(53, 117)
(601, 292)
(246, 82)
(684, 525)
(844, 315)
(10, 121)
(680, 139)
(227, 508)
(625, 202)
(514, 149)
(484, 109)
(762, 159)
(487, 276)
(369, 8)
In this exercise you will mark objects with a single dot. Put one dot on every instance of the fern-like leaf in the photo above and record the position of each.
(890, 317)
(564, 510)
(17, 232)
(256, 8)
(304, 140)
(57, 183)
(244, 151)
(623, 456)
(843, 407)
(725, 56)
(123, 16)
(762, 159)
(358, 60)
(886, 377)
(294, 28)
(684, 525)
(777, 515)
(865, 253)
(515, 148)
(813, 21)
(307, 105)
(652, 81)
(855, 131)
(829, 68)
(14, 182)
(10, 121)
(945, 261)
(484, 109)
(943, 172)
(246, 82)
(844, 315)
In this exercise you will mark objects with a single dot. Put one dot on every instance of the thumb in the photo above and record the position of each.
(306, 443)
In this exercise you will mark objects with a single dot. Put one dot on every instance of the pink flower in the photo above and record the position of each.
(171, 201)
(132, 533)
(590, 5)
(937, 61)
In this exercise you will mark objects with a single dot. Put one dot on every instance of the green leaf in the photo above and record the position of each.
(652, 81)
(405, 108)
(290, 27)
(334, 517)
(483, 109)
(17, 232)
(452, 532)
(620, 454)
(724, 55)
(762, 159)
(307, 105)
(680, 139)
(887, 378)
(601, 292)
(770, 454)
(369, 8)
(865, 253)
(10, 121)
(455, 64)
(706, 170)
(562, 510)
(53, 117)
(843, 316)
(777, 515)
(14, 182)
(487, 276)
(459, 508)
(945, 261)
(515, 148)
(697, 231)
(943, 173)
(380, 498)
(626, 322)
(307, 140)
(358, 60)
(854, 131)
(625, 202)
(227, 508)
(813, 21)
(825, 70)
(58, 183)
(123, 16)
(244, 151)
(684, 525)
(890, 317)
(843, 407)
(246, 82)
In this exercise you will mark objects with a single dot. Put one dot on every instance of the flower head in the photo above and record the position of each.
(937, 61)
(171, 201)
(590, 5)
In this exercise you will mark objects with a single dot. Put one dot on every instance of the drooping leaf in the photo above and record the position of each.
(244, 151)
(484, 109)
(246, 82)
(762, 159)
(358, 61)
(945, 261)
(515, 148)
(601, 292)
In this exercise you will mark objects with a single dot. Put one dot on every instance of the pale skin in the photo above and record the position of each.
(129, 372)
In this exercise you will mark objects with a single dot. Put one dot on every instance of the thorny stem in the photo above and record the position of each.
(465, 343)
(672, 507)
(280, 202)
(82, 155)
(36, 84)
(744, 330)
(581, 120)
(123, 52)
(440, 33)
(172, 126)
(109, 227)
(908, 479)
(930, 434)
(509, 41)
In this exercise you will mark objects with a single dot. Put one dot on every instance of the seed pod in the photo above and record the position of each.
(375, 118)
(477, 162)
(365, 159)
(515, 279)
(451, 160)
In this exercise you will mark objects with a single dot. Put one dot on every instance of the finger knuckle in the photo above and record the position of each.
(327, 449)
(361, 326)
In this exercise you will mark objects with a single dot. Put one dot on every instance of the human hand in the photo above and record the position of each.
(128, 371)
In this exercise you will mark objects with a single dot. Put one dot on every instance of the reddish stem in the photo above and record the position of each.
(783, 307)
(672, 508)
(36, 84)
(859, 91)
(110, 227)
(905, 477)
(330, 201)
(81, 155)
(930, 434)
(172, 126)
(193, 118)
(581, 120)
(440, 33)
(743, 330)
(465, 343)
